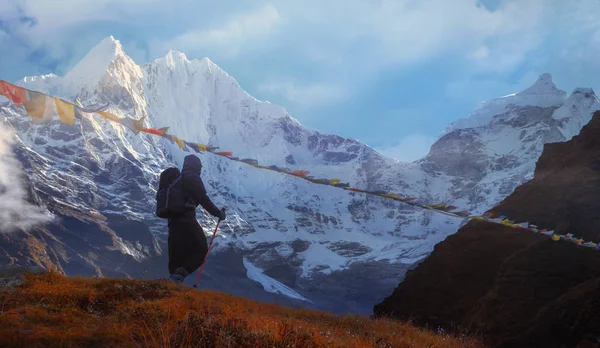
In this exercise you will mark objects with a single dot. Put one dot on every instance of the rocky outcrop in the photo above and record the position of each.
(518, 288)
(505, 284)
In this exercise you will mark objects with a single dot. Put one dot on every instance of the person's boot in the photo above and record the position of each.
(179, 275)
(177, 278)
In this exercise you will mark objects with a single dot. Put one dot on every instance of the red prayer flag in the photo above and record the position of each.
(155, 131)
(16, 94)
(300, 172)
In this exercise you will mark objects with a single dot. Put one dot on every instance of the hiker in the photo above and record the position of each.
(187, 242)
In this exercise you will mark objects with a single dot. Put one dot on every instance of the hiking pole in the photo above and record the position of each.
(207, 251)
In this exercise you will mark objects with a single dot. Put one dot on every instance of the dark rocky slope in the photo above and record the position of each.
(514, 287)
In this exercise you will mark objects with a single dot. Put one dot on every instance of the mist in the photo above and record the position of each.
(15, 211)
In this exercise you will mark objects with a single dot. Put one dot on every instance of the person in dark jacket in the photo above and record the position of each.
(187, 242)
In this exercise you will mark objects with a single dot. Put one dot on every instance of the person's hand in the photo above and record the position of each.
(223, 215)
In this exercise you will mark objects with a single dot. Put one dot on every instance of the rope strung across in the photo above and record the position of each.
(42, 108)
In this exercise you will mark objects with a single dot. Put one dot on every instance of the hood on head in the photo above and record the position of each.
(191, 164)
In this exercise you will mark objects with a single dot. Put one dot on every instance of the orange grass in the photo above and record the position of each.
(51, 310)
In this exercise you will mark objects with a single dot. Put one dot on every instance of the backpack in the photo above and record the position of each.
(170, 200)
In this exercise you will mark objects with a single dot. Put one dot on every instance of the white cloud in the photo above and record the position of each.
(410, 33)
(15, 211)
(58, 14)
(518, 28)
(227, 41)
(305, 95)
(480, 53)
(343, 35)
(349, 43)
(353, 43)
(9, 9)
(410, 148)
(402, 33)
(550, 36)
(575, 45)
(362, 36)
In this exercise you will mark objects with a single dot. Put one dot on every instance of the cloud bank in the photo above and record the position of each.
(340, 65)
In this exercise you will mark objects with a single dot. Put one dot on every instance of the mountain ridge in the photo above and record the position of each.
(296, 232)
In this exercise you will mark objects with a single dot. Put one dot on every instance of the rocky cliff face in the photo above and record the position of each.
(515, 287)
(311, 244)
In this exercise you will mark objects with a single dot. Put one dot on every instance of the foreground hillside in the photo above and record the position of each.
(51, 310)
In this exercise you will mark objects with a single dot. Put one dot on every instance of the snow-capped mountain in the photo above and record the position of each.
(320, 245)
(495, 149)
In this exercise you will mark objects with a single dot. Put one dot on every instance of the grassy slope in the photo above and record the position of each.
(50, 310)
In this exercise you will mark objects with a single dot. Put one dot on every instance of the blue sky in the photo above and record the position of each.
(391, 73)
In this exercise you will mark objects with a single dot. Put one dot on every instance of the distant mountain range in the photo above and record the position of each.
(285, 239)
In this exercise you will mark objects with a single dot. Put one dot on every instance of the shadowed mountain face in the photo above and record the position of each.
(292, 239)
(79, 242)
(515, 287)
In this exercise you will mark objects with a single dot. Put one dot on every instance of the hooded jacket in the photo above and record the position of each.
(194, 188)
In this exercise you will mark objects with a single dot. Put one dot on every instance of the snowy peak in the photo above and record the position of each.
(584, 98)
(106, 59)
(579, 93)
(202, 102)
(178, 66)
(98, 59)
(175, 58)
(543, 94)
(543, 86)
(576, 111)
(103, 60)
(506, 135)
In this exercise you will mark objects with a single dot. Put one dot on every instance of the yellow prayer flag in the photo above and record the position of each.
(555, 237)
(334, 181)
(179, 142)
(109, 116)
(201, 147)
(475, 217)
(35, 104)
(66, 111)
